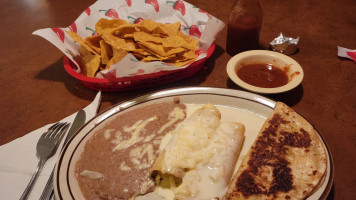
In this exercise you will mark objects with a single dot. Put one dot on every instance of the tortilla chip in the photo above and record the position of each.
(106, 25)
(83, 51)
(149, 25)
(146, 37)
(91, 63)
(153, 48)
(116, 42)
(126, 30)
(183, 58)
(147, 41)
(94, 42)
(174, 51)
(167, 29)
(106, 52)
(193, 43)
(79, 40)
(118, 54)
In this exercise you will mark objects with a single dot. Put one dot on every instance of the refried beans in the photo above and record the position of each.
(116, 160)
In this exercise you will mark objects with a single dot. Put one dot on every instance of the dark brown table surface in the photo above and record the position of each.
(36, 90)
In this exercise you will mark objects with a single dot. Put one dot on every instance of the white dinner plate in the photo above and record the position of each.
(235, 105)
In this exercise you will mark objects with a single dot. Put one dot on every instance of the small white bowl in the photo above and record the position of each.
(295, 72)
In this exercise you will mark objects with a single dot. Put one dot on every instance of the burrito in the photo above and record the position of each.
(198, 157)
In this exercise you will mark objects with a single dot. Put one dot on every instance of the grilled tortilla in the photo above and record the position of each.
(286, 161)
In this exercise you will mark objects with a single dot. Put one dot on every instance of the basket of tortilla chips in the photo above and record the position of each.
(122, 45)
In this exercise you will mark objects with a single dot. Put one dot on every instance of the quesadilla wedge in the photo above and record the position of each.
(286, 161)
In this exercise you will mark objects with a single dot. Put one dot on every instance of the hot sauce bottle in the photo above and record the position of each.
(244, 25)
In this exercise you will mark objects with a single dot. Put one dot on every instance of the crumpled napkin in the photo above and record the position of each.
(346, 53)
(18, 159)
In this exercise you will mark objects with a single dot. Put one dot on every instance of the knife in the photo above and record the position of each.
(79, 120)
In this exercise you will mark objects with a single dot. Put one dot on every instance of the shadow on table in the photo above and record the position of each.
(290, 98)
(196, 79)
(331, 194)
(200, 76)
(57, 73)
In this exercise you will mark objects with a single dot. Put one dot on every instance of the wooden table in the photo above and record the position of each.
(36, 90)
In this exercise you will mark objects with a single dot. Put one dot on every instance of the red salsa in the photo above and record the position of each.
(262, 75)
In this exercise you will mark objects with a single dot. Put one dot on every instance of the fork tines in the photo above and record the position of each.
(56, 128)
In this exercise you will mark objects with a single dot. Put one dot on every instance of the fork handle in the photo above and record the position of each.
(33, 180)
(47, 192)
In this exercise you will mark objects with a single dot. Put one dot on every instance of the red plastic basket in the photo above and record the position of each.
(139, 81)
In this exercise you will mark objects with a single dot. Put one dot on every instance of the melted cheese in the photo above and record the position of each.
(124, 167)
(173, 117)
(137, 156)
(107, 133)
(91, 174)
(210, 178)
(145, 185)
(118, 138)
(143, 155)
(191, 141)
(135, 136)
(133, 127)
(202, 152)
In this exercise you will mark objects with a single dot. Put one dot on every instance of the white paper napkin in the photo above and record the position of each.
(18, 160)
(346, 53)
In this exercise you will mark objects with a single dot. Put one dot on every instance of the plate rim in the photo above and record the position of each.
(114, 109)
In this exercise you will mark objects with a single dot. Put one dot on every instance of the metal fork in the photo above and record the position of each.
(46, 147)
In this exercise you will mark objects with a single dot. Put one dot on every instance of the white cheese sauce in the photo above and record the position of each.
(210, 174)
